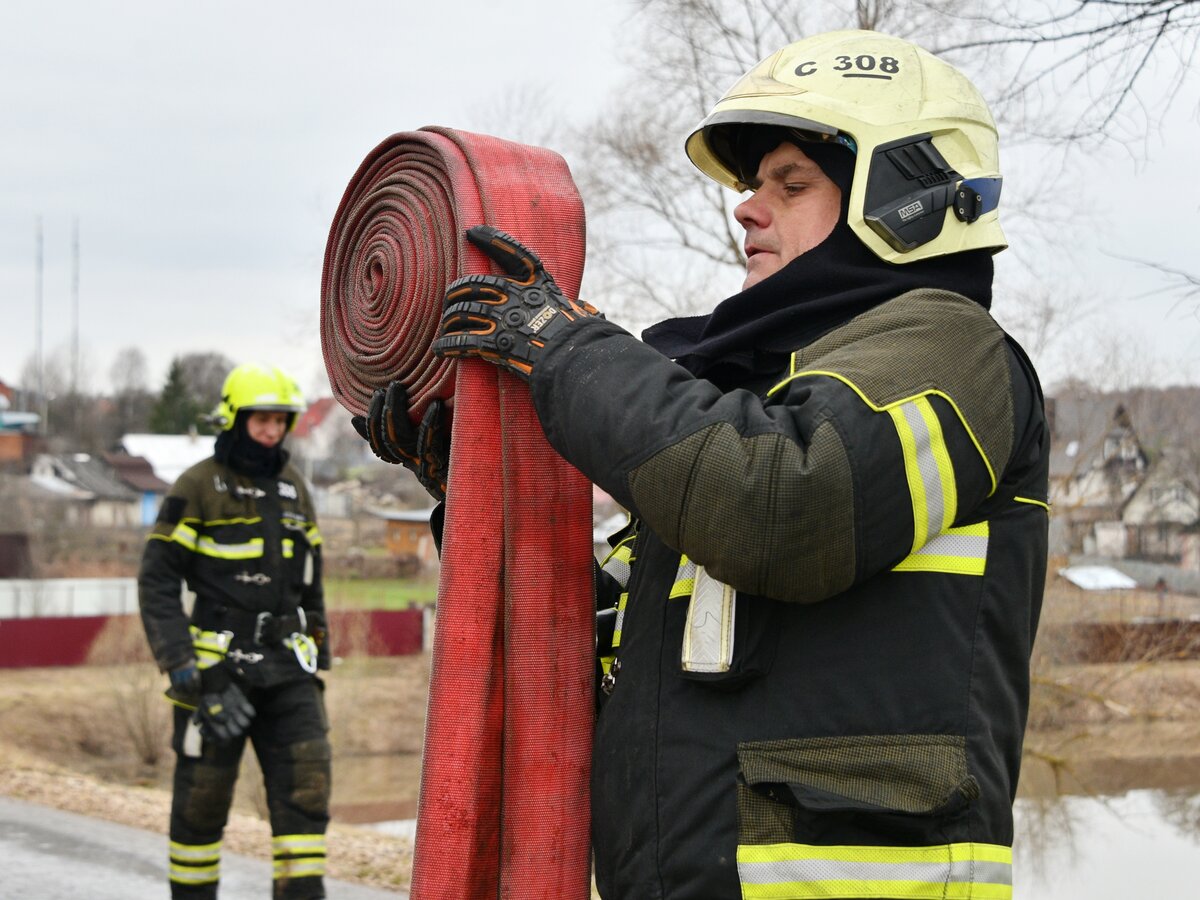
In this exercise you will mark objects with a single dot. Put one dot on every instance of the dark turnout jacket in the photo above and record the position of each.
(249, 548)
(834, 586)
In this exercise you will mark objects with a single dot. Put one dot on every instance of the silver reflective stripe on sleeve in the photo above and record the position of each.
(927, 465)
(956, 551)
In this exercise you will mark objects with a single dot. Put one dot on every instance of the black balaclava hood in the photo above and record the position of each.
(754, 330)
(236, 449)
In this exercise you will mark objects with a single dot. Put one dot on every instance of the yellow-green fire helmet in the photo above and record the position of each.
(927, 171)
(254, 386)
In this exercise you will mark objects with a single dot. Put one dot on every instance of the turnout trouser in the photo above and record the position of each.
(289, 735)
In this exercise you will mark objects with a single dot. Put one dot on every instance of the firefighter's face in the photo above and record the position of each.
(266, 426)
(793, 208)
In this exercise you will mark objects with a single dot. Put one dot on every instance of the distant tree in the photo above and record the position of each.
(71, 416)
(132, 401)
(193, 388)
(127, 374)
(204, 374)
(177, 409)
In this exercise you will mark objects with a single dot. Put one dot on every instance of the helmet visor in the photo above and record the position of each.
(740, 139)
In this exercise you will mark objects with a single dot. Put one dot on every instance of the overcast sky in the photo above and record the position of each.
(203, 149)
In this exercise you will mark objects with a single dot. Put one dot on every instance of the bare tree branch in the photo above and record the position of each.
(1085, 63)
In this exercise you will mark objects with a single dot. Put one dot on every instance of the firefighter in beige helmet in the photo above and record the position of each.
(239, 530)
(822, 610)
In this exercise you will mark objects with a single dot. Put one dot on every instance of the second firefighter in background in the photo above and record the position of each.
(240, 530)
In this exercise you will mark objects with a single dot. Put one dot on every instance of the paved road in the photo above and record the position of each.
(48, 854)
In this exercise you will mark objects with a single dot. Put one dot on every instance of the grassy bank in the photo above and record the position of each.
(379, 593)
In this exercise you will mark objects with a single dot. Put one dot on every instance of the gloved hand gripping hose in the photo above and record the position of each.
(503, 809)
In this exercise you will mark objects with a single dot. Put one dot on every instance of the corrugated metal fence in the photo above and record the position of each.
(27, 598)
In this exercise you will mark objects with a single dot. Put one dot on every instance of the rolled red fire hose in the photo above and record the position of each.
(503, 809)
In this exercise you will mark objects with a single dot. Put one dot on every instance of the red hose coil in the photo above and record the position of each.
(503, 809)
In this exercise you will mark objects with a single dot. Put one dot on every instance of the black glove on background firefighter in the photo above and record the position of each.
(240, 531)
(818, 622)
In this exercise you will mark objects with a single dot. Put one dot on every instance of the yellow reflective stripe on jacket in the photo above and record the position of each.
(195, 863)
(685, 579)
(877, 408)
(928, 467)
(210, 646)
(289, 548)
(956, 551)
(251, 549)
(619, 562)
(185, 535)
(621, 602)
(618, 565)
(1032, 502)
(314, 536)
(967, 871)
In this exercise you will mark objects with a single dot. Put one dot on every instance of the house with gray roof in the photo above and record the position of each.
(92, 492)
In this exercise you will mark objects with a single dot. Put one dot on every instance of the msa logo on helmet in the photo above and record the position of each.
(913, 209)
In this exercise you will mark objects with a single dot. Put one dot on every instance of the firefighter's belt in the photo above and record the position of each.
(267, 629)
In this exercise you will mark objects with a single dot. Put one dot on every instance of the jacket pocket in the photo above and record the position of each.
(862, 816)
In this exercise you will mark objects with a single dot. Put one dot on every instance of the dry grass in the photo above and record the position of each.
(95, 740)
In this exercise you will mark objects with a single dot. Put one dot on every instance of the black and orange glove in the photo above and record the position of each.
(424, 449)
(506, 320)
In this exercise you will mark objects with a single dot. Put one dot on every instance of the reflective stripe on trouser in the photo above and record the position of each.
(965, 871)
(298, 856)
(194, 864)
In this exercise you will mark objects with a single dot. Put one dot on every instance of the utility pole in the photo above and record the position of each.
(75, 306)
(75, 413)
(39, 363)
